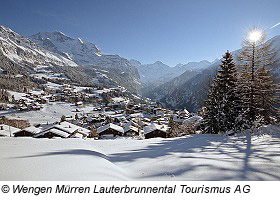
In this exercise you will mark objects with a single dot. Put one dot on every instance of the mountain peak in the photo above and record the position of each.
(135, 63)
(179, 65)
(159, 63)
(7, 30)
(60, 33)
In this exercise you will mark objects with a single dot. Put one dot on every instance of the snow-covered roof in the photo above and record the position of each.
(112, 126)
(7, 130)
(128, 126)
(185, 111)
(33, 129)
(59, 132)
(118, 99)
(140, 115)
(66, 127)
(152, 127)
(192, 120)
(70, 128)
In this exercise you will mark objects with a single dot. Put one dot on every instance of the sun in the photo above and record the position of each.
(255, 35)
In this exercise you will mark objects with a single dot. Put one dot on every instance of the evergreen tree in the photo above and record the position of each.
(63, 118)
(221, 107)
(210, 122)
(174, 130)
(227, 86)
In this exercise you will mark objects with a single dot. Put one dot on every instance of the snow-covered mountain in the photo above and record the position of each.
(167, 88)
(155, 73)
(22, 50)
(196, 66)
(81, 52)
(158, 73)
(19, 54)
(87, 54)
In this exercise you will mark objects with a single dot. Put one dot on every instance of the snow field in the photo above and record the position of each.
(194, 157)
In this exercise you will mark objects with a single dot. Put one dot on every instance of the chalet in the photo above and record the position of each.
(63, 130)
(7, 131)
(184, 113)
(110, 129)
(155, 130)
(27, 132)
(130, 129)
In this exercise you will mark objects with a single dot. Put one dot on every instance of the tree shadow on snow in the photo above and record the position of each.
(79, 152)
(225, 158)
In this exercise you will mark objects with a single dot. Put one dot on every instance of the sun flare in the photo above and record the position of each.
(255, 35)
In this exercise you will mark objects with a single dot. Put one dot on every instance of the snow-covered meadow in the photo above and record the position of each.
(194, 157)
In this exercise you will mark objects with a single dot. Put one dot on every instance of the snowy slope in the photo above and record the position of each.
(22, 50)
(194, 157)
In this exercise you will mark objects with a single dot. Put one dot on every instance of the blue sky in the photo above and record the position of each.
(172, 31)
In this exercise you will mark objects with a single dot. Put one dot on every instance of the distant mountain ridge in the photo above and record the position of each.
(190, 93)
(157, 74)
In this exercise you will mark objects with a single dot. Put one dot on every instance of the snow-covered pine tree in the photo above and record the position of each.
(221, 107)
(210, 123)
(227, 86)
(256, 53)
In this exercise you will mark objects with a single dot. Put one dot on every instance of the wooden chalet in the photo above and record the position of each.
(64, 130)
(130, 130)
(110, 129)
(27, 132)
(155, 130)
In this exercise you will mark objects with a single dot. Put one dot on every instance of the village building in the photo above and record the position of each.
(27, 132)
(79, 103)
(184, 114)
(195, 120)
(8, 131)
(64, 130)
(155, 130)
(110, 129)
(130, 129)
